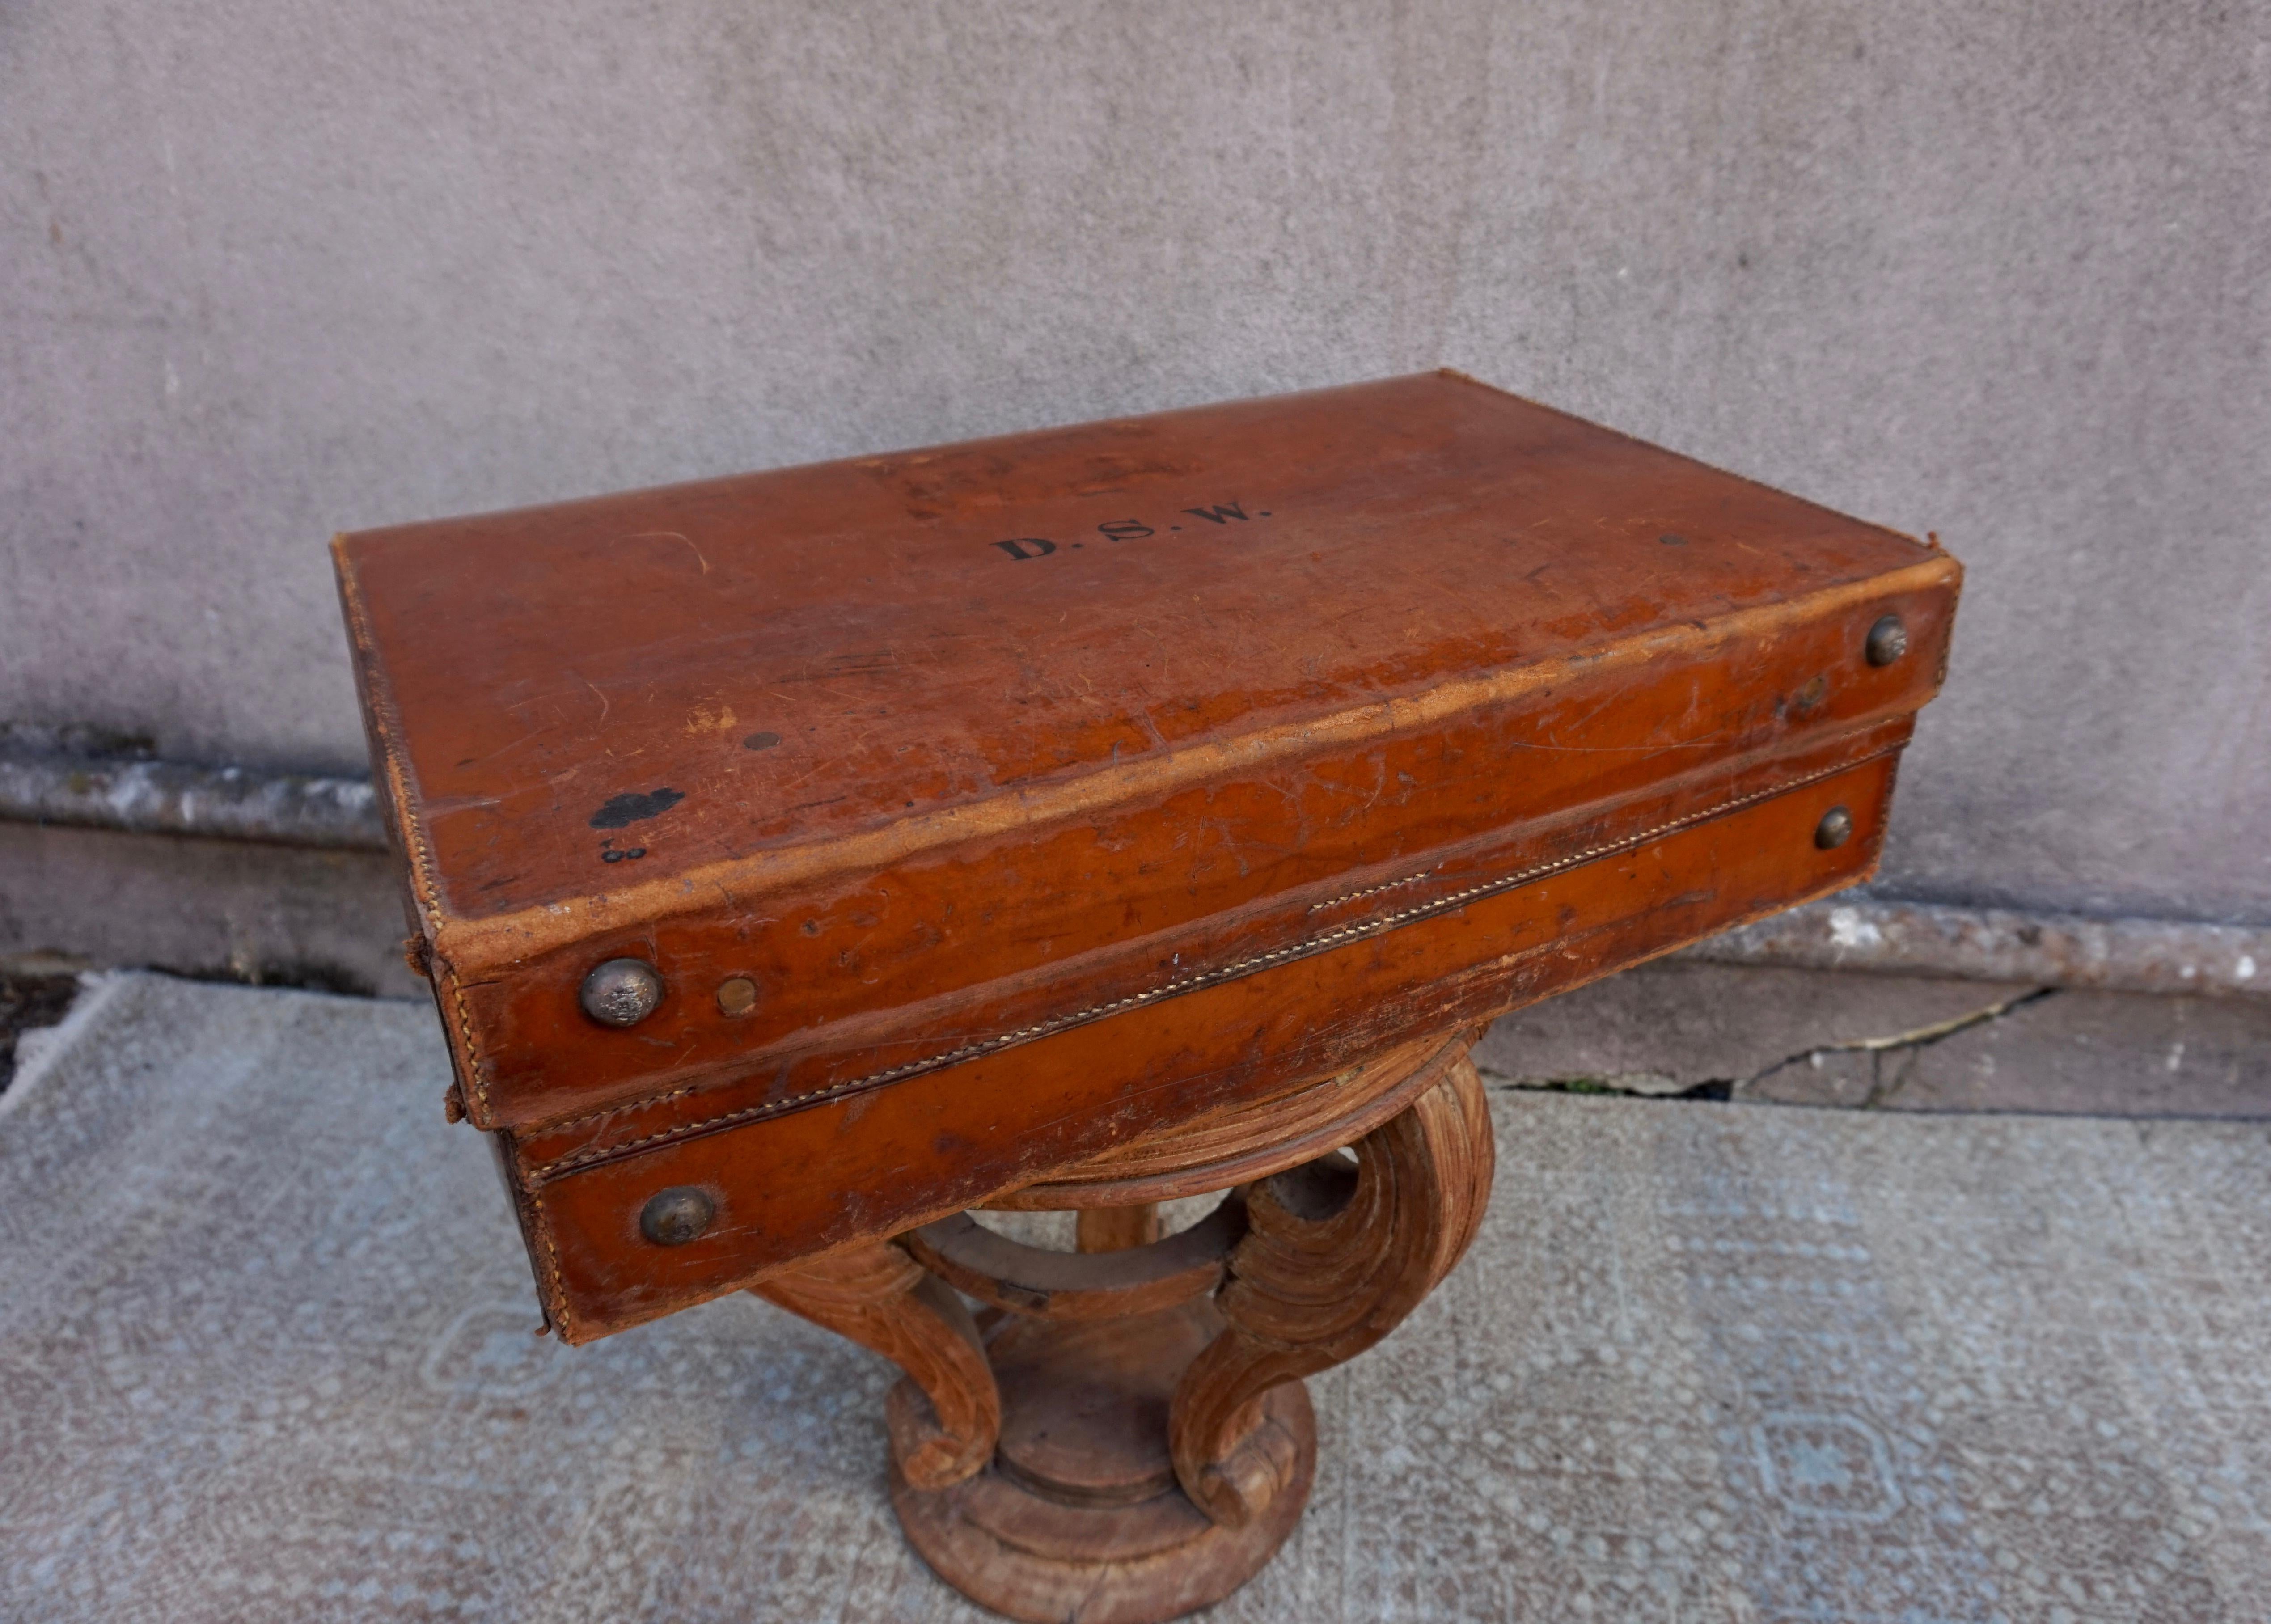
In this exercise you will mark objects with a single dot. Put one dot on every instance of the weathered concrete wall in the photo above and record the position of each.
(2003, 272)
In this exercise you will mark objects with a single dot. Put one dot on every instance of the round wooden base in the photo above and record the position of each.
(1039, 1448)
(1078, 1516)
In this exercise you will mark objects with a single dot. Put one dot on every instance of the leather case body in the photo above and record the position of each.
(1051, 790)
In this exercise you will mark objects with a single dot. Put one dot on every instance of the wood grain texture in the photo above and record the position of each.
(1115, 1229)
(1336, 1253)
(1237, 1144)
(1157, 1444)
(1029, 1556)
(1094, 1283)
(944, 1427)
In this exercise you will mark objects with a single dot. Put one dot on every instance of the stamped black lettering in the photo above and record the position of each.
(1219, 514)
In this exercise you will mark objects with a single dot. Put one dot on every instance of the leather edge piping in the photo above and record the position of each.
(387, 725)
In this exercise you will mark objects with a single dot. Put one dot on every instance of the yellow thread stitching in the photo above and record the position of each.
(1371, 891)
(1227, 972)
(559, 1304)
(421, 864)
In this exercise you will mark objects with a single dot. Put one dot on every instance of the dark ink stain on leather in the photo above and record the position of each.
(1669, 539)
(761, 741)
(622, 811)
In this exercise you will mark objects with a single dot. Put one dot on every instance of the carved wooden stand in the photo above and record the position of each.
(1121, 1434)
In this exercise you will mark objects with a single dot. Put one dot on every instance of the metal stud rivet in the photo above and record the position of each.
(674, 1216)
(1888, 640)
(622, 992)
(1835, 829)
(737, 995)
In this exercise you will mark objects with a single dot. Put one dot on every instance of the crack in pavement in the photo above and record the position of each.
(1908, 1045)
(1913, 1043)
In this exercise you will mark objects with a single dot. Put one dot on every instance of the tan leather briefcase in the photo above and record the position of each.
(839, 847)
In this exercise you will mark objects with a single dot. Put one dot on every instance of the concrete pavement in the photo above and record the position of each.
(264, 1353)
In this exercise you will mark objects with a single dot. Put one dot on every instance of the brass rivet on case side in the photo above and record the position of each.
(1888, 640)
(737, 995)
(1835, 829)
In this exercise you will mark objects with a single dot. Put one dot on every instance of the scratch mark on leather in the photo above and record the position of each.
(1235, 971)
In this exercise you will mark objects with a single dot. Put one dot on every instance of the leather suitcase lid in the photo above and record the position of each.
(599, 714)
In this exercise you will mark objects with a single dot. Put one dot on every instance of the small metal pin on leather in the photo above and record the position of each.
(1887, 641)
(676, 1216)
(622, 992)
(1835, 829)
(737, 995)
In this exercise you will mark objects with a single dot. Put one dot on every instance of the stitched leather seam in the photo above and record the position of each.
(421, 866)
(1229, 971)
(558, 1306)
(1232, 971)
(1372, 890)
(553, 1295)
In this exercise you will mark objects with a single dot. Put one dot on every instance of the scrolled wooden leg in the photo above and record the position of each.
(946, 1417)
(1337, 1255)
